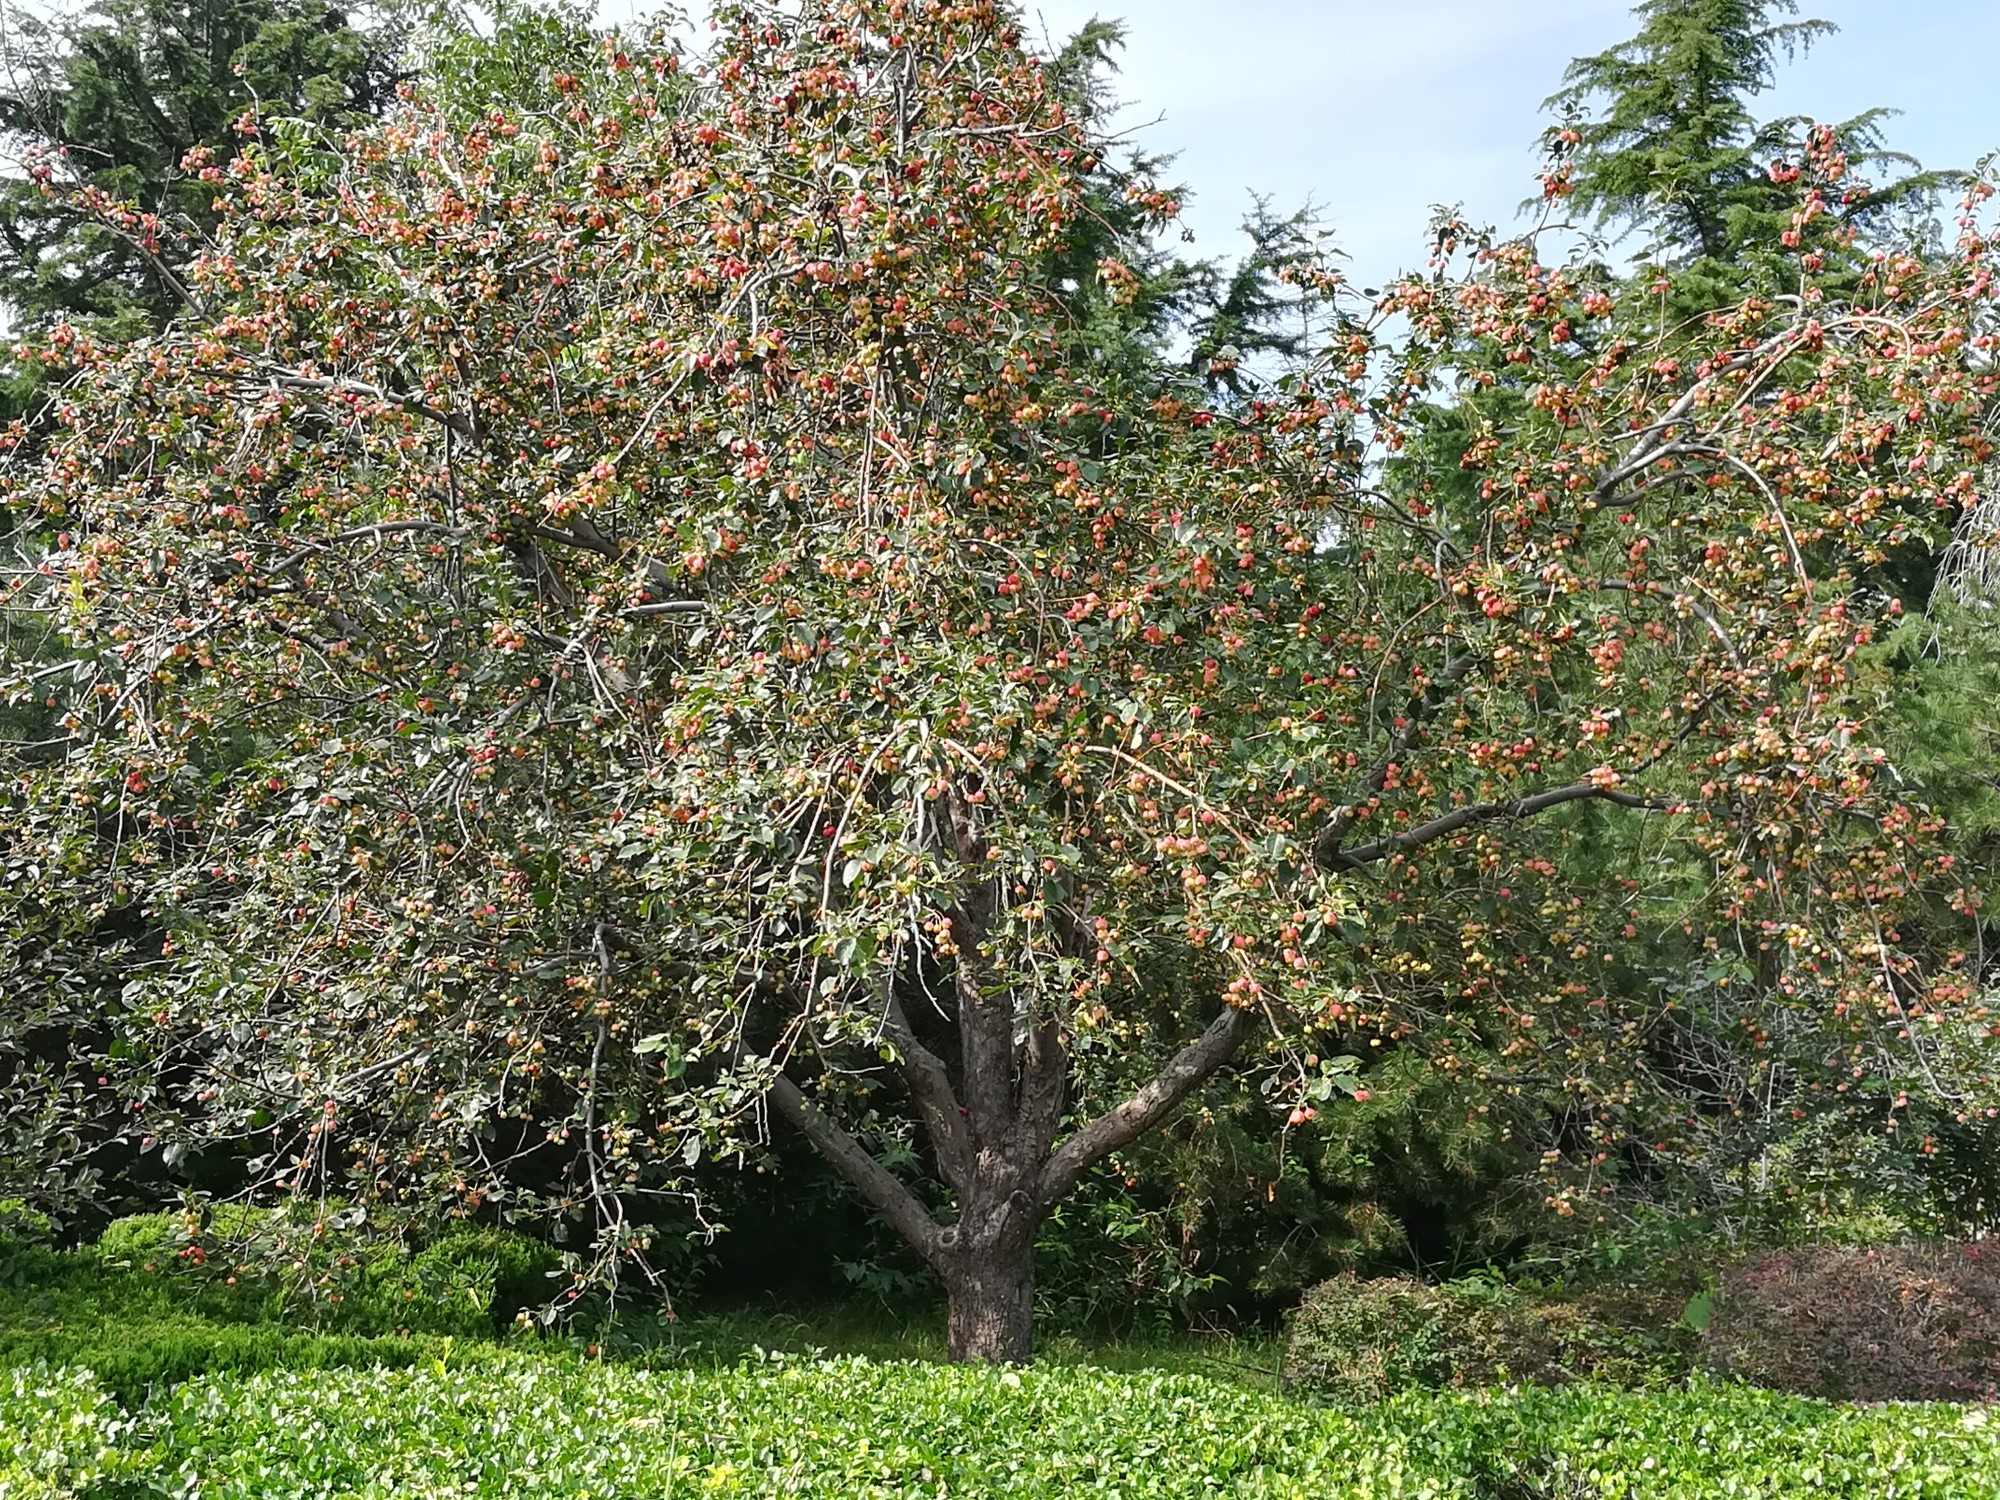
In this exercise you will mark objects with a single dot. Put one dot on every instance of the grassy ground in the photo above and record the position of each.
(117, 1383)
(504, 1424)
(718, 1340)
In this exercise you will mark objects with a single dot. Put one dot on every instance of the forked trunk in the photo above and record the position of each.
(992, 1305)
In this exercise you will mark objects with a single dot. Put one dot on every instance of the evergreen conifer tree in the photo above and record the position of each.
(1673, 150)
(105, 106)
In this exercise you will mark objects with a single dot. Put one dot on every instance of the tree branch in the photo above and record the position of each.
(664, 607)
(1044, 1070)
(1191, 1067)
(847, 1156)
(1685, 600)
(929, 1083)
(1484, 812)
(1422, 709)
(463, 426)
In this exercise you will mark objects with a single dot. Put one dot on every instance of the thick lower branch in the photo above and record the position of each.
(1190, 1068)
(885, 1194)
(929, 1083)
(1363, 855)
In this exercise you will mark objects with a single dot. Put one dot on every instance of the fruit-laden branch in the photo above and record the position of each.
(1190, 1068)
(1422, 709)
(1485, 812)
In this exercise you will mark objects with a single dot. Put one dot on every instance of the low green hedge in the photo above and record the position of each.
(262, 1263)
(141, 1312)
(133, 1358)
(844, 1430)
(540, 1428)
(1354, 1341)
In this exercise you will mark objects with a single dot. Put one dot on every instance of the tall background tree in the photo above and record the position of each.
(1666, 143)
(101, 106)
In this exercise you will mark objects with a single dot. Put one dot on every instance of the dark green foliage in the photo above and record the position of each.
(1673, 154)
(1355, 1341)
(110, 100)
(1134, 297)
(1225, 1214)
(501, 1274)
(1118, 283)
(22, 1227)
(162, 1297)
(1674, 151)
(1257, 306)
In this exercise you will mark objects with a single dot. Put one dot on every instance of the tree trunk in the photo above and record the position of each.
(991, 1293)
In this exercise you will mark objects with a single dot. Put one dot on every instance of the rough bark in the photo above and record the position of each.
(992, 1304)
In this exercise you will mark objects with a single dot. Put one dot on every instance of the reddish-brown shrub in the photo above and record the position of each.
(1891, 1324)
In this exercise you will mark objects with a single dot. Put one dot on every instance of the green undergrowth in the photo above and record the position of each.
(120, 1382)
(143, 1311)
(513, 1423)
(156, 1302)
(710, 1339)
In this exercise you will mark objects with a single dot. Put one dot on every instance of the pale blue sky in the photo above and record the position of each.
(1377, 109)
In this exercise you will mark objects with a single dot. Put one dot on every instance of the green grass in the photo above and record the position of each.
(718, 1340)
(557, 1427)
(117, 1384)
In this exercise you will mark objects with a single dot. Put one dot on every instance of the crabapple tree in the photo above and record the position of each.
(621, 612)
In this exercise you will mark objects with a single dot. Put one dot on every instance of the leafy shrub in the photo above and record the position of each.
(22, 1225)
(334, 1272)
(134, 1359)
(140, 1238)
(60, 1434)
(497, 1272)
(162, 1298)
(1355, 1341)
(1879, 1324)
(563, 1429)
(26, 1244)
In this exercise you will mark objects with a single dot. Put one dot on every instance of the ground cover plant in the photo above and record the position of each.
(514, 1425)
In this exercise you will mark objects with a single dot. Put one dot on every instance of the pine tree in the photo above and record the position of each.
(112, 100)
(1676, 153)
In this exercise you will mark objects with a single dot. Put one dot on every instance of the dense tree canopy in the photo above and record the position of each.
(632, 603)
